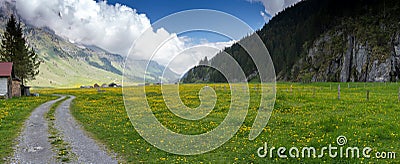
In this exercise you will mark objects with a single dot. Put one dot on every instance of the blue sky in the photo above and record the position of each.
(115, 28)
(249, 12)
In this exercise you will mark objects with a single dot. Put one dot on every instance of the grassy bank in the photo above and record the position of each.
(13, 113)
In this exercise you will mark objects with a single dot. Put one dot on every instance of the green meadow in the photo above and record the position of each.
(13, 113)
(305, 115)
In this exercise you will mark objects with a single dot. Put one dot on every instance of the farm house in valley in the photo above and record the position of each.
(9, 85)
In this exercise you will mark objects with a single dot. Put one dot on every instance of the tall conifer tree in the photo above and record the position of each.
(15, 49)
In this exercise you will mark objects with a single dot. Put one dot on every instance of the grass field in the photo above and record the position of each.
(13, 113)
(305, 115)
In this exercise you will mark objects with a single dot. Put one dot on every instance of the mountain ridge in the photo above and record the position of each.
(310, 42)
(66, 64)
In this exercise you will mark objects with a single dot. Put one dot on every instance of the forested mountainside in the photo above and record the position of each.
(324, 40)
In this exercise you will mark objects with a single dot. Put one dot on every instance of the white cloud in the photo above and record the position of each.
(265, 16)
(190, 56)
(178, 53)
(113, 28)
(273, 7)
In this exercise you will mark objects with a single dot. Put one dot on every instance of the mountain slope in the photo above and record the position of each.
(328, 40)
(65, 64)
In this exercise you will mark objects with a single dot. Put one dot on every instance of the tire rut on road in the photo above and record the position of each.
(85, 148)
(33, 143)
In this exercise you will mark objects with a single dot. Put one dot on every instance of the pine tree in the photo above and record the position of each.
(15, 49)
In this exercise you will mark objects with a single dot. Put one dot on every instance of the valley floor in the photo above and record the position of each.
(305, 115)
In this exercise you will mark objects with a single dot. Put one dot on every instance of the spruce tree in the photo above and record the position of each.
(15, 49)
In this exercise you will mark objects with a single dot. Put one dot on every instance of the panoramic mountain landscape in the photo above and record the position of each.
(65, 64)
(325, 41)
(323, 86)
(358, 42)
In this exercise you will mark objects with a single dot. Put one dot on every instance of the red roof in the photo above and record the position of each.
(5, 69)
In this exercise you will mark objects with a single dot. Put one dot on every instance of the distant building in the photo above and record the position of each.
(26, 90)
(10, 86)
(96, 85)
(114, 85)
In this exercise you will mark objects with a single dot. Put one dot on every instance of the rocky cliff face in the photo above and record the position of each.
(345, 58)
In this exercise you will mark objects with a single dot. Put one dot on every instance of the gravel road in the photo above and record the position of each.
(85, 148)
(33, 143)
(34, 146)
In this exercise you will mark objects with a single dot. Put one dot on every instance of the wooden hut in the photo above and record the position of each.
(9, 85)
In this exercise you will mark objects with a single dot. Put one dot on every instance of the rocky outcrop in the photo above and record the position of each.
(344, 58)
